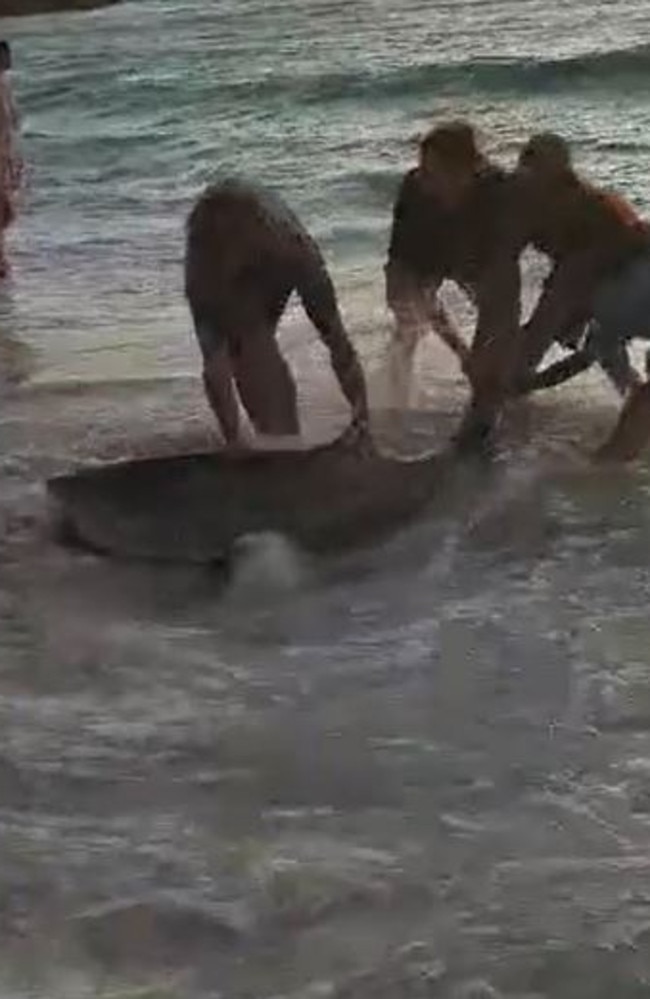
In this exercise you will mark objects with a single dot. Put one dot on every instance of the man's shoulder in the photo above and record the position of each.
(411, 177)
(415, 201)
(497, 191)
(495, 179)
(592, 205)
(252, 195)
(409, 185)
(617, 205)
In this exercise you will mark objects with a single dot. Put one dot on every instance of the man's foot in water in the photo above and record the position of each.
(631, 435)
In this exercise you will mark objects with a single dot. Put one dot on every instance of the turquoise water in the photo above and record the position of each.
(417, 772)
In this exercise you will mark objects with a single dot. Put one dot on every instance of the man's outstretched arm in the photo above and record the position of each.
(492, 361)
(318, 296)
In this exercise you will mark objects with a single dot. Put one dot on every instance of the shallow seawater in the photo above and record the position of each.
(420, 770)
(416, 770)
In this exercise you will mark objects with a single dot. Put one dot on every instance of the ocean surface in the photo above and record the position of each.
(419, 771)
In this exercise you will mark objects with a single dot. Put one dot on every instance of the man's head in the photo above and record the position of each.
(5, 56)
(449, 160)
(545, 159)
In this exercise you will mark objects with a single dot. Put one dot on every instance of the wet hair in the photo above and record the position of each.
(547, 150)
(454, 143)
(5, 52)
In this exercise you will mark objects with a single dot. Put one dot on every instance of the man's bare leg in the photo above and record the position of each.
(7, 213)
(413, 320)
(266, 385)
(632, 431)
(493, 357)
(406, 297)
(445, 327)
(401, 361)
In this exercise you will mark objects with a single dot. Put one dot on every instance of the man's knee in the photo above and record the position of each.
(631, 434)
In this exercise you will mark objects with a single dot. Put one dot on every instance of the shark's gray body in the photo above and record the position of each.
(194, 508)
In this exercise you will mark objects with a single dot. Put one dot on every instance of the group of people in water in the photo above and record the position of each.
(458, 217)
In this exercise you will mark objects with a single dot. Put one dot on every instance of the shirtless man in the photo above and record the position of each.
(590, 236)
(246, 252)
(450, 222)
(600, 249)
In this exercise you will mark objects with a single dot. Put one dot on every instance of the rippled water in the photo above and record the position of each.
(418, 771)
